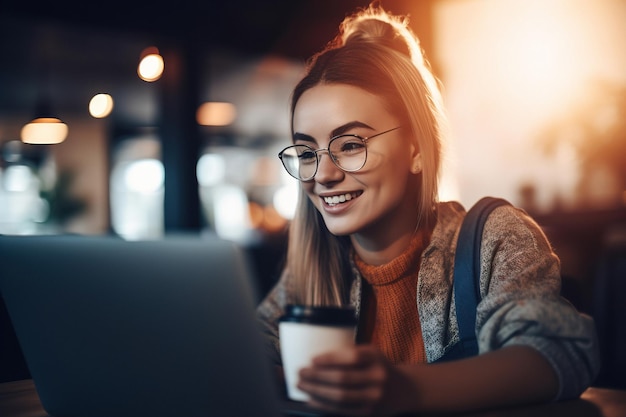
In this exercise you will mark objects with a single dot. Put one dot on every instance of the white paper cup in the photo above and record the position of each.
(306, 332)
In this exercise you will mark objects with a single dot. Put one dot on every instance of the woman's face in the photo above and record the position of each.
(382, 196)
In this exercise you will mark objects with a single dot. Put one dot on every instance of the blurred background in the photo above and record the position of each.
(142, 119)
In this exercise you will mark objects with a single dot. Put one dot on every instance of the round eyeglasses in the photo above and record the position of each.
(348, 152)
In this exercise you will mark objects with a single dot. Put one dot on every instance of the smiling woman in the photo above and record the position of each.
(369, 233)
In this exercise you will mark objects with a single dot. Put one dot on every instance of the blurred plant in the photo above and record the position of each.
(63, 205)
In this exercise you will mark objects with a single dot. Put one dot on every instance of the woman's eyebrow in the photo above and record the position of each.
(335, 132)
(347, 127)
(303, 137)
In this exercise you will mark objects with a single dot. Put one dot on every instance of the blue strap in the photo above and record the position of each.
(467, 271)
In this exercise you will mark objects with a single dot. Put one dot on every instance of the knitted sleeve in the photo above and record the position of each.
(269, 312)
(521, 305)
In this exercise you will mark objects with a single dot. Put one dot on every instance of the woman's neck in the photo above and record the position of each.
(383, 247)
(388, 237)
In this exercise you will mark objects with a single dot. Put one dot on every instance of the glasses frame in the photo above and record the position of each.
(332, 156)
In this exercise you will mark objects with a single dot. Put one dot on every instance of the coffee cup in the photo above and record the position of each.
(306, 332)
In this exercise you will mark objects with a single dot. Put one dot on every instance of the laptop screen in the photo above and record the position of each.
(111, 327)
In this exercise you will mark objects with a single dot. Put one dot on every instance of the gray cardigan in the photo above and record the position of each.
(519, 284)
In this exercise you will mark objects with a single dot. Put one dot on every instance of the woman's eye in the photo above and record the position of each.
(307, 156)
(352, 146)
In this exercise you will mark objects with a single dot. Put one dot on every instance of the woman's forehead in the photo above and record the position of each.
(327, 106)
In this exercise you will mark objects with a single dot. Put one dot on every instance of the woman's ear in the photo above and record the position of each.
(416, 167)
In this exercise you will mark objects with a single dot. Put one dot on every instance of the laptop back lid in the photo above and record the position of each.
(116, 328)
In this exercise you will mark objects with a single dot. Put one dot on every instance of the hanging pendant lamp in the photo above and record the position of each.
(44, 129)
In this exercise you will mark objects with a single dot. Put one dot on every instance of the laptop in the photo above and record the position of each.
(144, 328)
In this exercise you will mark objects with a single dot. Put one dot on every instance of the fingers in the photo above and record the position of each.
(341, 399)
(358, 356)
(348, 377)
(344, 402)
(349, 381)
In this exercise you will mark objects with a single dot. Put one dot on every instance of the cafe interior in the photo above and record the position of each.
(165, 119)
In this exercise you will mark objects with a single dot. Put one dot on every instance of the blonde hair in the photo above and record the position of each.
(377, 52)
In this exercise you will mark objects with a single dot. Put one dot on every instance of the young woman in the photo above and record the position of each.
(367, 126)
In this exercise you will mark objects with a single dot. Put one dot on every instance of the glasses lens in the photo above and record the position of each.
(300, 161)
(349, 152)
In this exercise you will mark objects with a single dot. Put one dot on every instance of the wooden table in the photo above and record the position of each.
(19, 399)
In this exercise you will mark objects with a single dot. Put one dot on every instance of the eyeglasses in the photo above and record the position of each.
(348, 152)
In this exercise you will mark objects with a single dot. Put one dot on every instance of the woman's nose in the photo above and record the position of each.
(327, 171)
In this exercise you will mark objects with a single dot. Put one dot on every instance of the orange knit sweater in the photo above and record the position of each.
(389, 317)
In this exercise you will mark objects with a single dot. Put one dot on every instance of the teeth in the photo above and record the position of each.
(336, 199)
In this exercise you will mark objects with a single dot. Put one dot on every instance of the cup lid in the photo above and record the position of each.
(329, 316)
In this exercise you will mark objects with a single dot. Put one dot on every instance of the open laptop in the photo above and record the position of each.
(146, 328)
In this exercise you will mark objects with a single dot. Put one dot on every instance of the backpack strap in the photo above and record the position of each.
(467, 271)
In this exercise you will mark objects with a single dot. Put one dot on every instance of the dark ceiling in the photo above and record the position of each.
(66, 45)
(291, 27)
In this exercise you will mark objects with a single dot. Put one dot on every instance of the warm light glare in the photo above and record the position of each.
(151, 67)
(272, 220)
(256, 215)
(101, 105)
(512, 68)
(266, 218)
(216, 114)
(44, 131)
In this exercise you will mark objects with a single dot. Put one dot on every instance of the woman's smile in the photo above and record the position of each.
(340, 198)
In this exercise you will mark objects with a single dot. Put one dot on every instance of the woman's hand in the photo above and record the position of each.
(357, 381)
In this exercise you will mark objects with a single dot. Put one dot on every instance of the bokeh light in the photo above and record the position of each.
(100, 105)
(151, 65)
(216, 114)
(145, 176)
